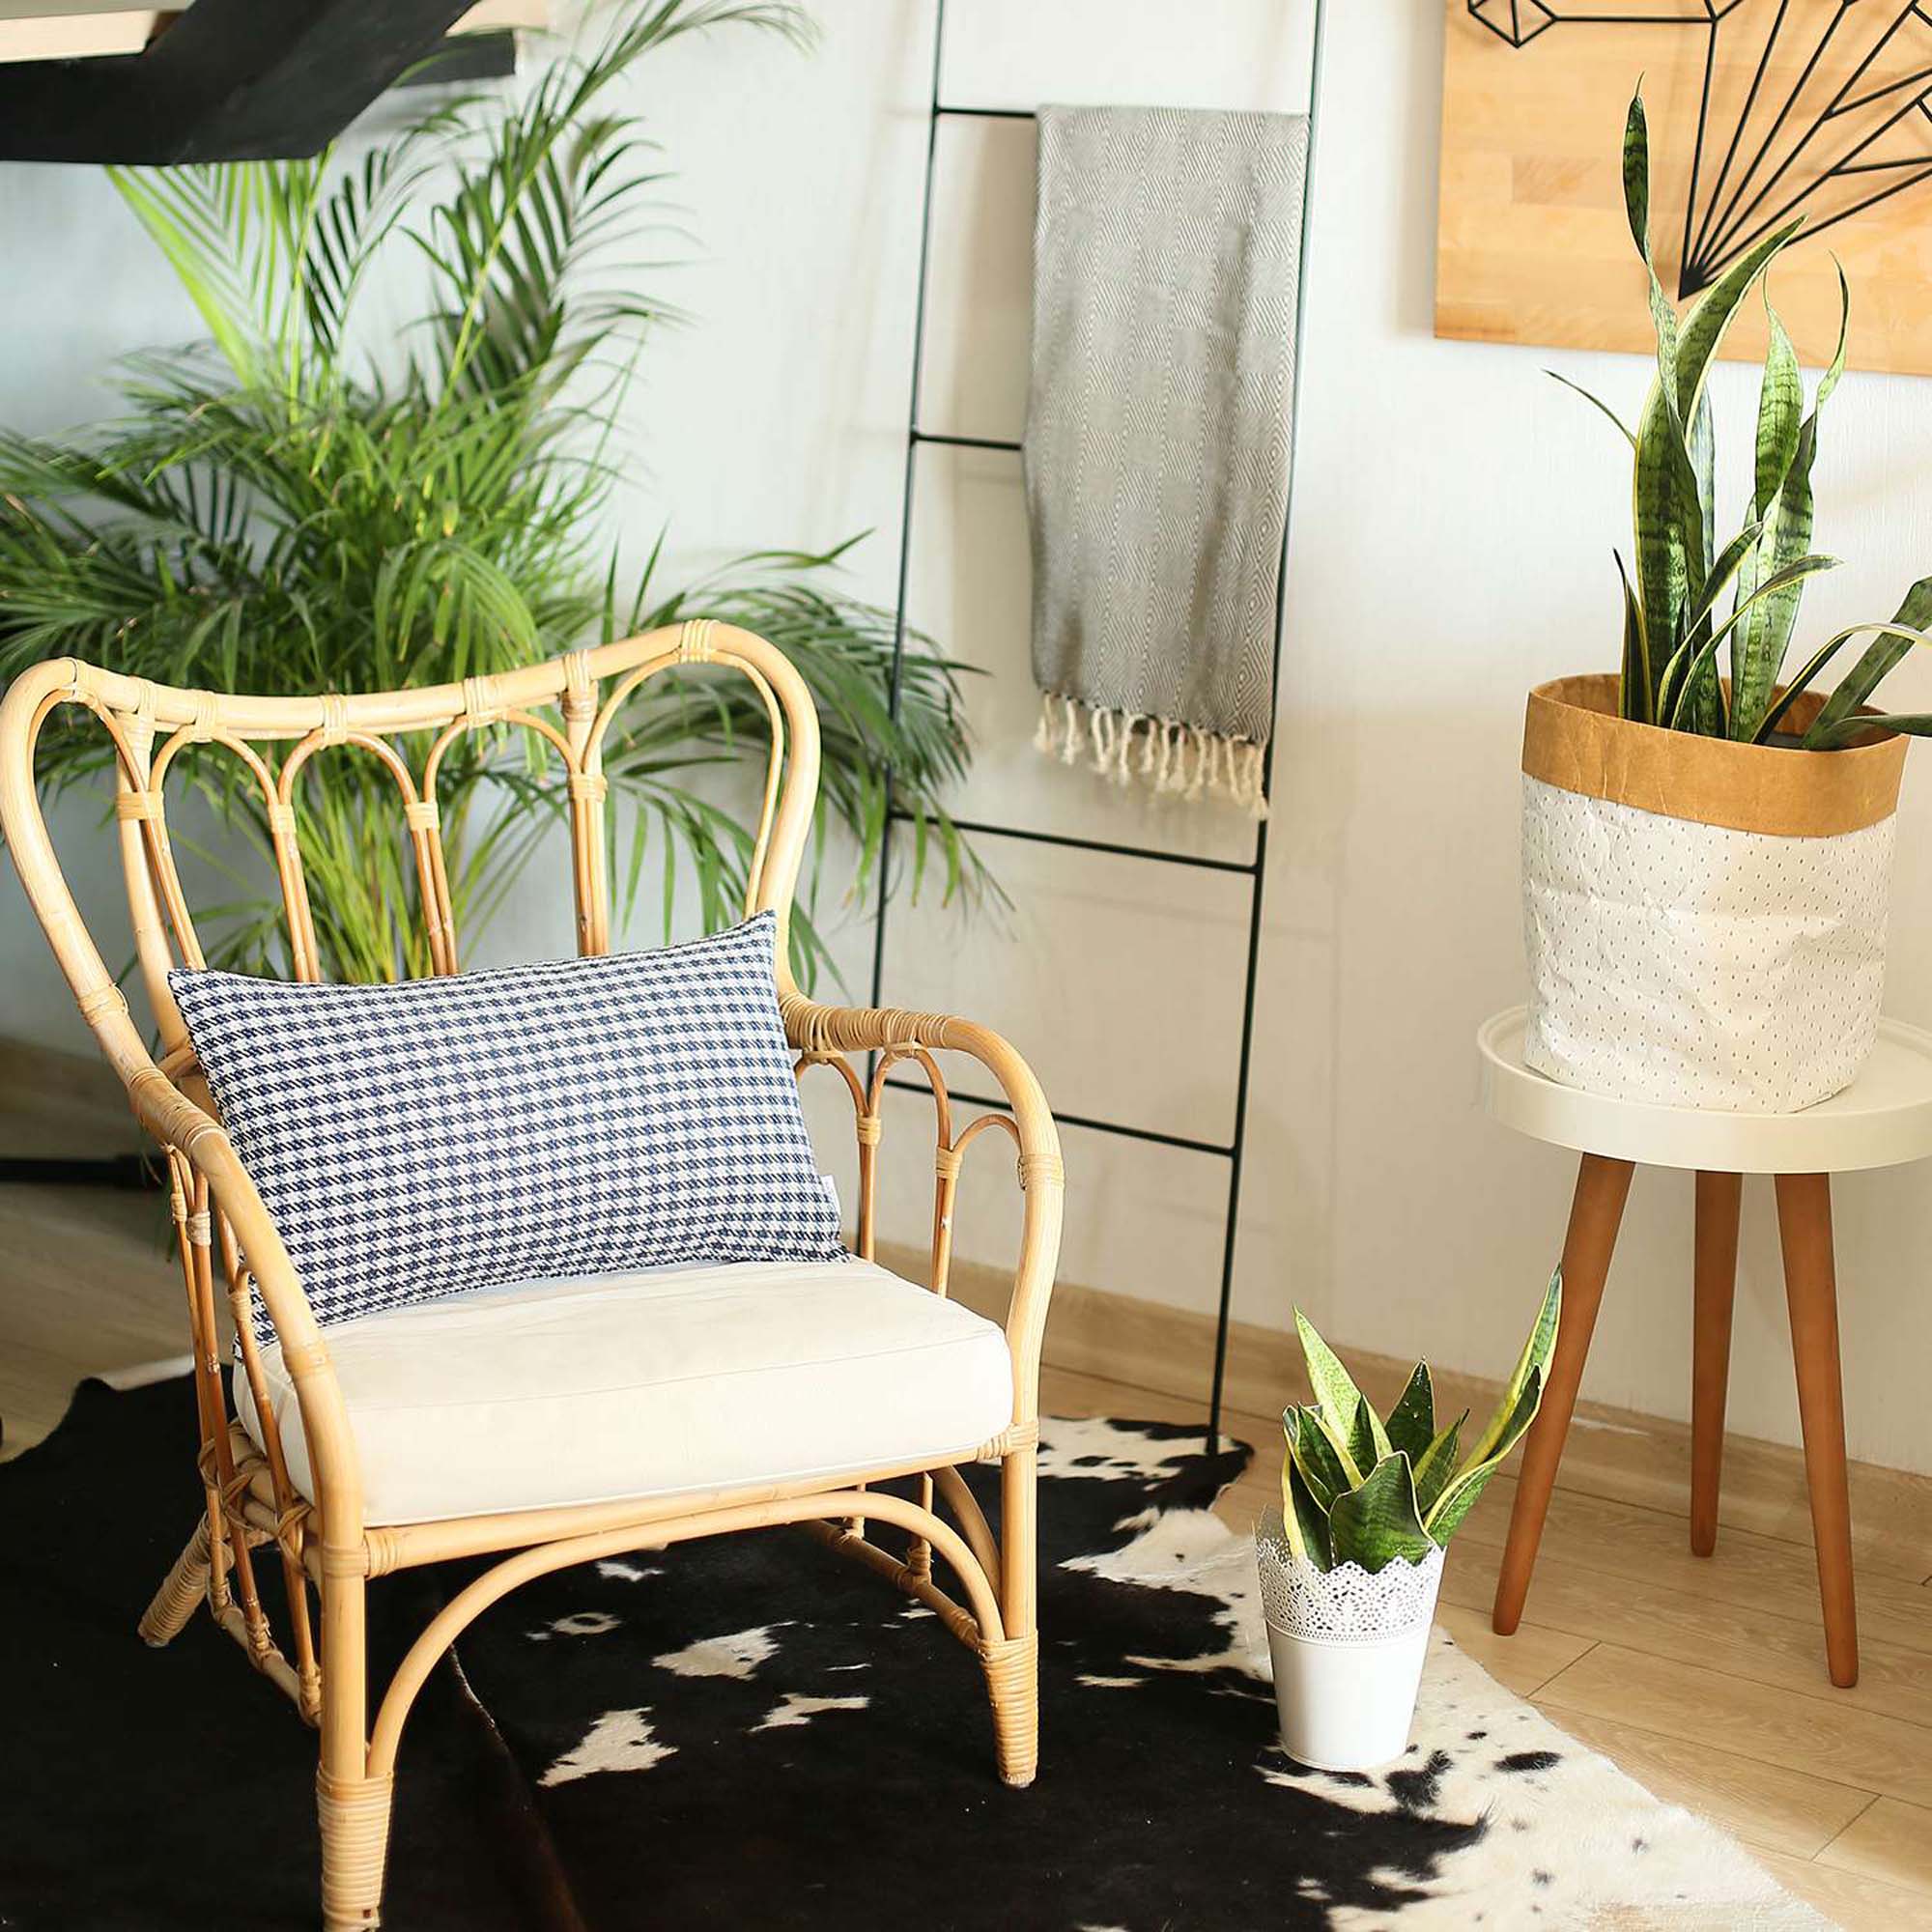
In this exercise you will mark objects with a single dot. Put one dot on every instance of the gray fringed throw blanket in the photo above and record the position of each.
(1165, 255)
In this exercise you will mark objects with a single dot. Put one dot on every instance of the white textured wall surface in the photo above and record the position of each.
(1454, 516)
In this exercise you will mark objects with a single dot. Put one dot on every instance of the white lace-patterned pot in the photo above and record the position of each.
(1705, 921)
(1348, 1649)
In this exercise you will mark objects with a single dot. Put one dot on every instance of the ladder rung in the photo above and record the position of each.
(1218, 1148)
(1066, 839)
(966, 441)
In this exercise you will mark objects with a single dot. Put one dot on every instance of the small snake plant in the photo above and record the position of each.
(1672, 625)
(1355, 1489)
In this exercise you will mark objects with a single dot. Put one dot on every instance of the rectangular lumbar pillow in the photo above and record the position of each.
(577, 1117)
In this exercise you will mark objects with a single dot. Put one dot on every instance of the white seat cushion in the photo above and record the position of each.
(673, 1380)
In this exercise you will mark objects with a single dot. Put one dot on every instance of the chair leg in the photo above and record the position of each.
(1012, 1683)
(1012, 1664)
(181, 1593)
(354, 1815)
(1811, 1292)
(1720, 1197)
(1596, 1212)
(352, 1806)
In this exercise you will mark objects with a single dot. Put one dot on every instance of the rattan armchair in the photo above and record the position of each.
(322, 1540)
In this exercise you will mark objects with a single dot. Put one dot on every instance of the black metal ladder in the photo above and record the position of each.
(1253, 868)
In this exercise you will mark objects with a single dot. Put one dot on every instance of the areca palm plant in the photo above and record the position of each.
(314, 500)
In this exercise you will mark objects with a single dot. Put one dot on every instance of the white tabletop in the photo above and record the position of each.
(1883, 1118)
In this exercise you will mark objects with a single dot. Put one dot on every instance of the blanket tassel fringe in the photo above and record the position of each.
(1130, 748)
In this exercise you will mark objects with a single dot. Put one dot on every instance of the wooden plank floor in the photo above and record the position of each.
(1703, 1678)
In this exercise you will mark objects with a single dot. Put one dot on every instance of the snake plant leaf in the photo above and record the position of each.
(1674, 494)
(1437, 1464)
(1522, 1397)
(1704, 695)
(1636, 174)
(1305, 1519)
(1537, 1349)
(1308, 1448)
(1332, 1455)
(1842, 729)
(1913, 617)
(1368, 1440)
(1634, 681)
(1781, 415)
(1774, 714)
(1336, 1391)
(1596, 402)
(1673, 710)
(1835, 368)
(1664, 509)
(1459, 1494)
(1637, 207)
(1703, 329)
(1723, 571)
(1663, 513)
(1758, 651)
(1411, 1422)
(1705, 698)
(1445, 1517)
(1908, 723)
(1378, 1523)
(1702, 444)
(1780, 410)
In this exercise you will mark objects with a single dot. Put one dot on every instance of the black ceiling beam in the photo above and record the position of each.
(489, 54)
(227, 80)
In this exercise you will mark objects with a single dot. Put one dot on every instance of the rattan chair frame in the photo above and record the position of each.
(325, 1546)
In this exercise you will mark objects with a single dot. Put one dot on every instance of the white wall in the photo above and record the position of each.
(1451, 545)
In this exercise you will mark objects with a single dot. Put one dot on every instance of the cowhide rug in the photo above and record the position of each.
(756, 1732)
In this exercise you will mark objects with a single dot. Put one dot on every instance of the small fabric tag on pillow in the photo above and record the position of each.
(577, 1117)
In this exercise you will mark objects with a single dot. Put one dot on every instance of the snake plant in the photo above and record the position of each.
(1672, 628)
(1356, 1489)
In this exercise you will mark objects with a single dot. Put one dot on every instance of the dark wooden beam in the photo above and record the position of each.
(228, 81)
(460, 58)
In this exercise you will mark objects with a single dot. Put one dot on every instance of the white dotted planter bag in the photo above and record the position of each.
(1705, 921)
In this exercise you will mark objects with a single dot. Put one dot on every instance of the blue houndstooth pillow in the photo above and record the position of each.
(578, 1116)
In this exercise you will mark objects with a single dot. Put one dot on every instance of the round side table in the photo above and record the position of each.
(1884, 1118)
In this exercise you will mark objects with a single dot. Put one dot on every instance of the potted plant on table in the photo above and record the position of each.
(1351, 1563)
(1707, 858)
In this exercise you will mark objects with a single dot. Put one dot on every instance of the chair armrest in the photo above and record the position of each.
(812, 1027)
(198, 1137)
(177, 1123)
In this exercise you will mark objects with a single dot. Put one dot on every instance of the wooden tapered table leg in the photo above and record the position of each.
(1811, 1292)
(1719, 1199)
(1596, 1210)
(1883, 1120)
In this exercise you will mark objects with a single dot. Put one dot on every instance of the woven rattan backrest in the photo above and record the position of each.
(568, 702)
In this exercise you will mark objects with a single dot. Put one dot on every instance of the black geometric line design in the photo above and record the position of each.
(1814, 107)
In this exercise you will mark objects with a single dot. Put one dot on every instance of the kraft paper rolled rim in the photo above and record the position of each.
(1572, 739)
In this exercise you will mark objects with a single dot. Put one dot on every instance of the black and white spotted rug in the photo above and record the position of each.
(756, 1732)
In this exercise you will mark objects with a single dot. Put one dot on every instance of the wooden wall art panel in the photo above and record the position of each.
(1759, 110)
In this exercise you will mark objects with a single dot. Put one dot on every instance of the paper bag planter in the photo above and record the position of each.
(1705, 921)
